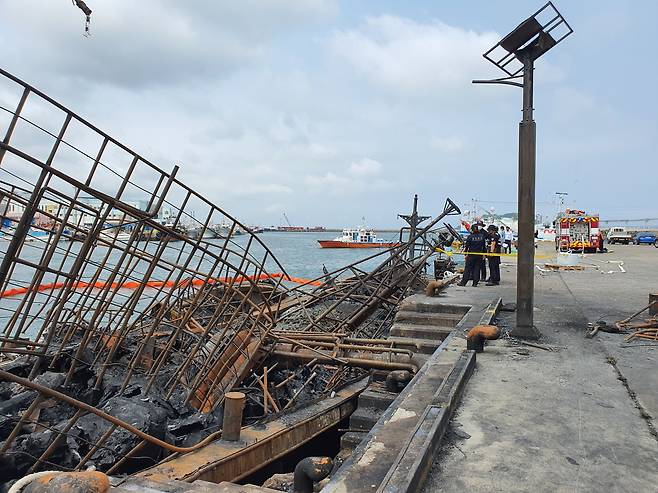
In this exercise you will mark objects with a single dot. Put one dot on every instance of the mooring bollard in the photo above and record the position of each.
(233, 407)
(396, 380)
(310, 470)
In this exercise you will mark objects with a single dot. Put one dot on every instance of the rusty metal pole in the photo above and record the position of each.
(412, 231)
(525, 280)
(233, 407)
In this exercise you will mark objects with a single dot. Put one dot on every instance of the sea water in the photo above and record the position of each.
(298, 254)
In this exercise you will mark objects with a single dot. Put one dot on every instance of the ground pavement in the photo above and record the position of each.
(581, 417)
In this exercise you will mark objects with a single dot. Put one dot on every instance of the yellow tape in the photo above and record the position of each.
(450, 254)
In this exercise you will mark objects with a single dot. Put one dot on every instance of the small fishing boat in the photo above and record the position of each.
(357, 238)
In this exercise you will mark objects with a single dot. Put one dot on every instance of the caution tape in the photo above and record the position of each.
(487, 254)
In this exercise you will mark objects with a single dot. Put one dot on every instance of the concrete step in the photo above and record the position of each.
(427, 318)
(364, 418)
(426, 332)
(416, 345)
(352, 439)
(412, 304)
(376, 399)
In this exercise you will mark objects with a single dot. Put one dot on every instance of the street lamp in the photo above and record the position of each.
(560, 197)
(515, 55)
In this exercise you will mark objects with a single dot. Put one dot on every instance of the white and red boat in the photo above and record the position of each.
(357, 238)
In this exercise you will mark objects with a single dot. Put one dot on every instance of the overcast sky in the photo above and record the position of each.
(332, 111)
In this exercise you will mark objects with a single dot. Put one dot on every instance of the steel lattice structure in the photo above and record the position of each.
(104, 283)
(129, 301)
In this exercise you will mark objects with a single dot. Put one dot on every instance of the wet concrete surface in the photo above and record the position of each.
(580, 417)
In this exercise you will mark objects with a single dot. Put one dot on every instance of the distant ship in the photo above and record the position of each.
(357, 238)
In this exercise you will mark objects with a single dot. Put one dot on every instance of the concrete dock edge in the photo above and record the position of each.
(412, 466)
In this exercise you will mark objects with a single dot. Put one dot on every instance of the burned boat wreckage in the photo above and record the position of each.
(121, 336)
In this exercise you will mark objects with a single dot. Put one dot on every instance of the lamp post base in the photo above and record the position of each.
(529, 332)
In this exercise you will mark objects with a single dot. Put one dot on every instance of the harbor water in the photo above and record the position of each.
(297, 252)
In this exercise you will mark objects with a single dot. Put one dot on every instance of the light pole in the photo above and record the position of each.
(560, 197)
(515, 55)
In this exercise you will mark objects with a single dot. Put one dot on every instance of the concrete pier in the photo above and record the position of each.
(576, 415)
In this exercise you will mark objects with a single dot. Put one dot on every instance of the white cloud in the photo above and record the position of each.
(409, 56)
(268, 105)
(260, 188)
(365, 167)
(328, 179)
(447, 144)
(151, 43)
(360, 177)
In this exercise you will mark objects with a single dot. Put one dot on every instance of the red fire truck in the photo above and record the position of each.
(578, 231)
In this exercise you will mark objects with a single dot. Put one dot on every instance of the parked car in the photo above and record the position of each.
(644, 237)
(618, 234)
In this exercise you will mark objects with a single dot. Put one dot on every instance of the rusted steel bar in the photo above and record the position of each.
(56, 441)
(96, 446)
(295, 342)
(27, 414)
(294, 397)
(126, 457)
(265, 389)
(354, 347)
(267, 395)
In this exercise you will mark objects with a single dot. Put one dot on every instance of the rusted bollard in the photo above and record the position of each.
(478, 334)
(233, 407)
(308, 471)
(396, 380)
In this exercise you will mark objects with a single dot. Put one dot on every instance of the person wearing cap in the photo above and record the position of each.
(493, 246)
(483, 258)
(475, 243)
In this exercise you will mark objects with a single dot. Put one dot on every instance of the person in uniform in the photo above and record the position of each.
(493, 246)
(483, 258)
(475, 243)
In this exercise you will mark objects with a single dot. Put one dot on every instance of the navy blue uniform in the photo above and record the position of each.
(494, 262)
(476, 243)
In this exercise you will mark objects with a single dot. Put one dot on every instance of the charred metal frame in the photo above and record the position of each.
(112, 287)
(179, 307)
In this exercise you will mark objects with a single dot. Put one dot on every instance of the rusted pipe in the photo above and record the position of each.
(233, 407)
(368, 364)
(354, 347)
(478, 334)
(309, 470)
(397, 380)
